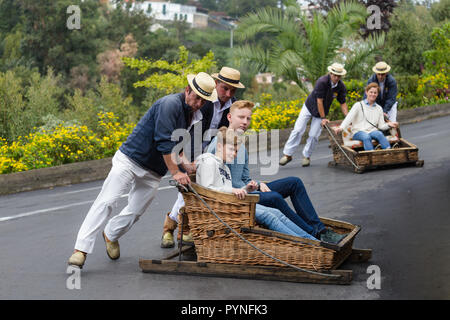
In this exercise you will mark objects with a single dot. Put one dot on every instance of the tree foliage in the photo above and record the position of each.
(386, 8)
(170, 77)
(408, 38)
(438, 59)
(301, 47)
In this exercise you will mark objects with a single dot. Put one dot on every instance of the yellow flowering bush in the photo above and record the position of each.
(281, 115)
(434, 88)
(63, 144)
(276, 115)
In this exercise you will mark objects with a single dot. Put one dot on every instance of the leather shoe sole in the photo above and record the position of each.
(112, 248)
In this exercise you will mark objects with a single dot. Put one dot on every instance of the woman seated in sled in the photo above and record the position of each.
(367, 120)
(212, 173)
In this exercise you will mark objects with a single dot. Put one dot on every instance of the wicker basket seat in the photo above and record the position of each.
(350, 153)
(215, 243)
(392, 137)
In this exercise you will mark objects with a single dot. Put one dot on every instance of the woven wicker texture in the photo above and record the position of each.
(215, 243)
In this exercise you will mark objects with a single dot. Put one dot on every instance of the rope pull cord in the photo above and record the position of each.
(189, 188)
(338, 144)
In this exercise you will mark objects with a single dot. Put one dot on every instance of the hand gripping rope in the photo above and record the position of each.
(337, 143)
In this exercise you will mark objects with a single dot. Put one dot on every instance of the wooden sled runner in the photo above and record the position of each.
(351, 154)
(225, 247)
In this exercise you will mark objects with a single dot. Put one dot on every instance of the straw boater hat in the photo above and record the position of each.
(203, 85)
(381, 67)
(337, 69)
(229, 76)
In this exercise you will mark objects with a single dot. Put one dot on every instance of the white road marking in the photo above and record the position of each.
(32, 213)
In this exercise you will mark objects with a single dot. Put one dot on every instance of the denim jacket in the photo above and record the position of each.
(151, 138)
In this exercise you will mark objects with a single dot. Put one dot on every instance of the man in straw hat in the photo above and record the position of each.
(213, 116)
(139, 164)
(387, 98)
(316, 108)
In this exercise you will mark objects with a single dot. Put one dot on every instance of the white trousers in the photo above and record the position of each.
(296, 135)
(392, 114)
(176, 207)
(124, 176)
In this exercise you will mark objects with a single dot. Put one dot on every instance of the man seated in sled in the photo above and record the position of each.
(273, 194)
(213, 173)
(366, 118)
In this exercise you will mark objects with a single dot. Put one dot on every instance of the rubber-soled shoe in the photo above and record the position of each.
(112, 248)
(168, 230)
(306, 162)
(285, 159)
(167, 240)
(188, 240)
(77, 259)
(331, 237)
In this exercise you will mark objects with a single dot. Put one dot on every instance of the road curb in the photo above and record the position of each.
(98, 169)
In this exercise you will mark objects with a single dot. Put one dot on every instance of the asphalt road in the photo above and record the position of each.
(403, 212)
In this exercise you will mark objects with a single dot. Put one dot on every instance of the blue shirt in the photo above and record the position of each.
(152, 136)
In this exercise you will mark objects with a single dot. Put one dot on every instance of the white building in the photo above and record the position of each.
(167, 11)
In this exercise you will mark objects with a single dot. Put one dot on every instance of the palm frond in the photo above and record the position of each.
(265, 20)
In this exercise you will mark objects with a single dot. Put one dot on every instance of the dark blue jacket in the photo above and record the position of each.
(389, 92)
(207, 113)
(323, 90)
(151, 138)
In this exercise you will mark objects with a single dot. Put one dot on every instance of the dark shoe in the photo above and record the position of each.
(330, 236)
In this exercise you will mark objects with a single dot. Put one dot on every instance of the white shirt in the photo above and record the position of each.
(218, 112)
(198, 116)
(334, 85)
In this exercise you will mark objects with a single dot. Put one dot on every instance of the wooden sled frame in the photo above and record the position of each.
(316, 271)
(257, 272)
(194, 268)
(405, 155)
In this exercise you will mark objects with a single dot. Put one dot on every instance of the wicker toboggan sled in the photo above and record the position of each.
(351, 154)
(226, 252)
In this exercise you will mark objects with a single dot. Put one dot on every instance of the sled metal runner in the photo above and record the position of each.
(228, 243)
(359, 160)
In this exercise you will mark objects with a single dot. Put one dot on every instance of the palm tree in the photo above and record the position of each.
(303, 46)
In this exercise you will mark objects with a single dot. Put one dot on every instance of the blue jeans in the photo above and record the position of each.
(274, 220)
(305, 215)
(366, 138)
